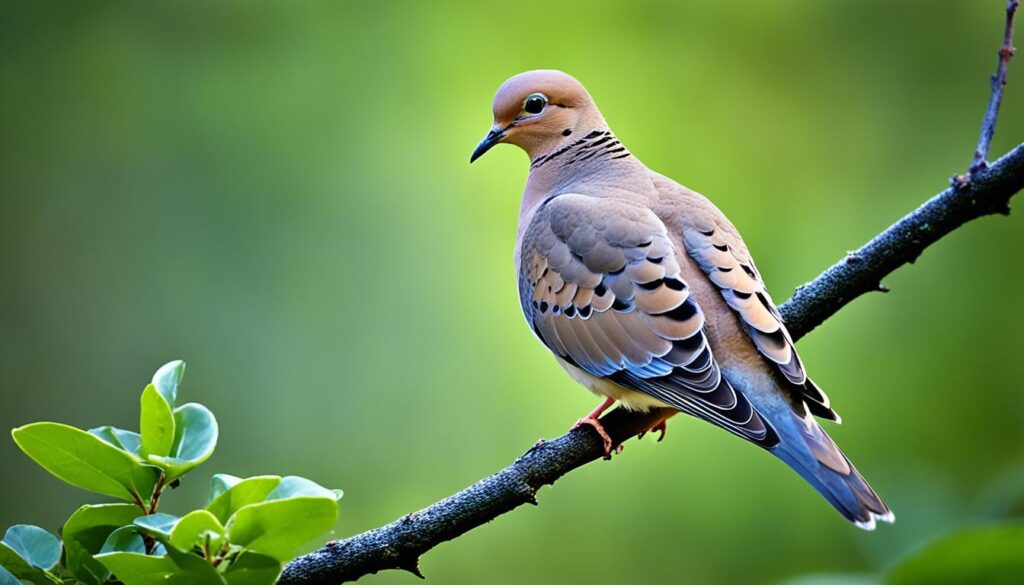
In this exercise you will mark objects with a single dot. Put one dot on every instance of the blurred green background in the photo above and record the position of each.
(279, 194)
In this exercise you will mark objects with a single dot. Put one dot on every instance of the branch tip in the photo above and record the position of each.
(413, 568)
(998, 82)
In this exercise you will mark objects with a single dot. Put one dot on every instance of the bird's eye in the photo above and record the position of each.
(535, 103)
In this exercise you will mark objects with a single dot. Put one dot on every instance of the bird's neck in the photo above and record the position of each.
(596, 157)
(593, 164)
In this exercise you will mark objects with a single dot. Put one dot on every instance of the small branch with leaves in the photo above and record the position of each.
(985, 189)
(243, 535)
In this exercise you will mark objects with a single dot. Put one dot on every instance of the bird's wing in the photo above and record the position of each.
(600, 283)
(722, 255)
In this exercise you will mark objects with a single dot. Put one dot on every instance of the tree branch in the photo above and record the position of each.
(984, 190)
(988, 124)
(861, 271)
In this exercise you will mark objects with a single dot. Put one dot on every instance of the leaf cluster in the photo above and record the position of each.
(243, 535)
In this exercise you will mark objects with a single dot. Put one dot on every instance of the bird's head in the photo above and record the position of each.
(538, 110)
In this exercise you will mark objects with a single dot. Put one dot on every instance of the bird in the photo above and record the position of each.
(647, 295)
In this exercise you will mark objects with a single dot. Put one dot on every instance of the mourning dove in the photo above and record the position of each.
(646, 294)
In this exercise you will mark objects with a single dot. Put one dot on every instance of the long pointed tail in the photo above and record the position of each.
(806, 448)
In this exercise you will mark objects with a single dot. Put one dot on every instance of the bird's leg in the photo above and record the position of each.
(591, 421)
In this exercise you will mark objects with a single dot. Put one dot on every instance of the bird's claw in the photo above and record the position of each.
(661, 427)
(609, 445)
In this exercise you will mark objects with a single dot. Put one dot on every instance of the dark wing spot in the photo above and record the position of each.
(683, 312)
(570, 311)
(600, 289)
(764, 303)
(543, 306)
(658, 260)
(651, 285)
(690, 344)
(621, 306)
(777, 337)
(750, 271)
(675, 284)
(708, 233)
(585, 311)
(741, 295)
(722, 247)
(724, 269)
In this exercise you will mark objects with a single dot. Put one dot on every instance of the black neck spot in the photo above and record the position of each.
(566, 132)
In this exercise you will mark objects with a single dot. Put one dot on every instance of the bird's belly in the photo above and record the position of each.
(631, 399)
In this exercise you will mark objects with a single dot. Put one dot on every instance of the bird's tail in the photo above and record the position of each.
(806, 448)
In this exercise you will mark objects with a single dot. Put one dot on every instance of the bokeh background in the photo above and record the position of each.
(280, 195)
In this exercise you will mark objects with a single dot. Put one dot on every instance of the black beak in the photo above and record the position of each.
(493, 137)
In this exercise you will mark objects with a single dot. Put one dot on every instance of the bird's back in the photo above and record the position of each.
(803, 443)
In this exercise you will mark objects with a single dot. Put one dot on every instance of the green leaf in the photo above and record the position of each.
(84, 534)
(22, 551)
(195, 528)
(176, 568)
(221, 483)
(992, 555)
(245, 492)
(38, 547)
(86, 461)
(124, 539)
(18, 567)
(120, 438)
(8, 579)
(195, 438)
(293, 486)
(279, 527)
(253, 569)
(156, 423)
(168, 378)
(158, 526)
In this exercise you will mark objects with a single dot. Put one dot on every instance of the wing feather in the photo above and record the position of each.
(601, 286)
(724, 257)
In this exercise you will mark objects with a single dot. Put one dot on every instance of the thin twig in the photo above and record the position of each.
(158, 489)
(140, 503)
(988, 124)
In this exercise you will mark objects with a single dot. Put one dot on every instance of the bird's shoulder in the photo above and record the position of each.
(682, 209)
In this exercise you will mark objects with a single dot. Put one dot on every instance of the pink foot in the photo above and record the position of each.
(592, 422)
